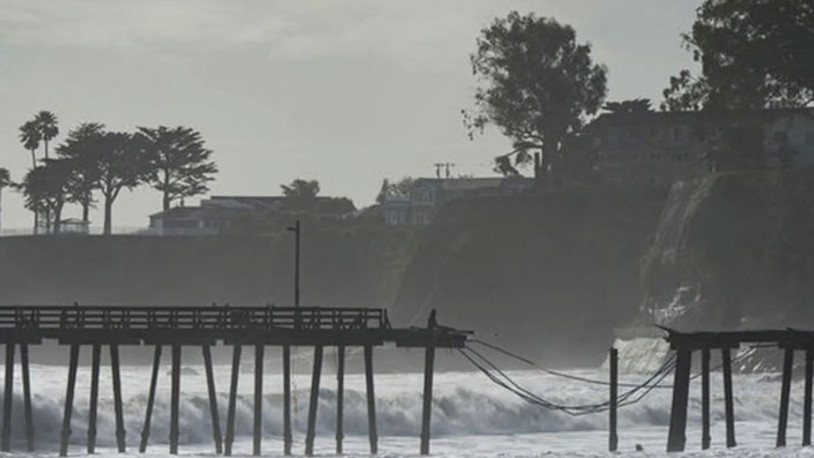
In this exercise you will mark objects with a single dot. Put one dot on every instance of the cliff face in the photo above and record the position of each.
(548, 274)
(734, 251)
(358, 268)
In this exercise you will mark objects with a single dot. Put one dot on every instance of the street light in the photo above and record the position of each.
(296, 230)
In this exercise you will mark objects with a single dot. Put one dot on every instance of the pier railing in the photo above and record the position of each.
(191, 318)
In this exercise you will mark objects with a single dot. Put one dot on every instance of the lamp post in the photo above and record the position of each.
(296, 230)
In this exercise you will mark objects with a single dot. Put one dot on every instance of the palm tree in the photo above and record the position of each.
(5, 181)
(30, 137)
(47, 125)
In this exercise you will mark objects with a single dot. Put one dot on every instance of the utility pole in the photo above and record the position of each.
(296, 230)
(443, 165)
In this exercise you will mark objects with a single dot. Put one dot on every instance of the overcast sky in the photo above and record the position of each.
(345, 92)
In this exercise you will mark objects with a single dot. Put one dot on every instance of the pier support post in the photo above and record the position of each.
(785, 390)
(69, 392)
(258, 398)
(145, 432)
(287, 437)
(705, 436)
(613, 438)
(117, 398)
(96, 351)
(175, 395)
(314, 402)
(809, 376)
(340, 397)
(729, 407)
(371, 401)
(230, 415)
(426, 410)
(213, 400)
(29, 418)
(678, 413)
(8, 390)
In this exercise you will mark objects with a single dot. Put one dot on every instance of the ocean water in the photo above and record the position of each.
(471, 416)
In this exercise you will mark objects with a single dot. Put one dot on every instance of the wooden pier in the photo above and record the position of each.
(203, 327)
(685, 343)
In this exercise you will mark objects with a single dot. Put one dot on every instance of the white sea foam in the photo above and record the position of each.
(471, 416)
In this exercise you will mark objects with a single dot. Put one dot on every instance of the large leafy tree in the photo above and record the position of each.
(122, 164)
(300, 195)
(84, 146)
(46, 122)
(753, 55)
(537, 85)
(46, 189)
(179, 162)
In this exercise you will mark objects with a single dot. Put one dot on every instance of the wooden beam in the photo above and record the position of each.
(678, 412)
(29, 417)
(287, 436)
(230, 415)
(175, 398)
(310, 434)
(785, 390)
(729, 402)
(372, 432)
(145, 432)
(69, 393)
(258, 398)
(340, 397)
(213, 399)
(121, 434)
(96, 353)
(8, 390)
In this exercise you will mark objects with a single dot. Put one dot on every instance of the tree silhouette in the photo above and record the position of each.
(5, 181)
(629, 106)
(47, 125)
(300, 195)
(122, 164)
(30, 137)
(537, 86)
(179, 162)
(84, 146)
(45, 189)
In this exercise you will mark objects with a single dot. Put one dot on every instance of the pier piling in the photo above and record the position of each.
(809, 377)
(613, 438)
(96, 351)
(426, 409)
(729, 402)
(213, 399)
(7, 398)
(340, 397)
(705, 435)
(372, 432)
(69, 393)
(310, 434)
(230, 415)
(117, 398)
(287, 437)
(258, 399)
(785, 390)
(29, 418)
(175, 395)
(145, 432)
(678, 413)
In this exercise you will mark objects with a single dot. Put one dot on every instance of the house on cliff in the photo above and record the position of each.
(418, 206)
(663, 147)
(218, 214)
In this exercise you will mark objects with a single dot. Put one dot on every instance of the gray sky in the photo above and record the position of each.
(345, 92)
